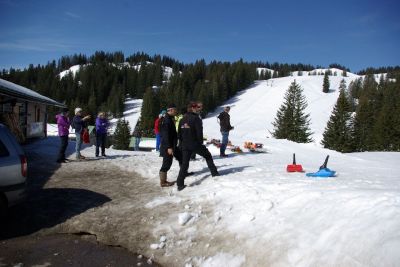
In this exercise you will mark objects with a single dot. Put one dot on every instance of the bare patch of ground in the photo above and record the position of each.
(95, 198)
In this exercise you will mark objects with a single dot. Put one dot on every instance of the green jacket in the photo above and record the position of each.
(177, 120)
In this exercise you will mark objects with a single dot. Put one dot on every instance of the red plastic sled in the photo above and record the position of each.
(294, 167)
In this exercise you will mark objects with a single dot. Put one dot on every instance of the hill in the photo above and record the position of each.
(255, 108)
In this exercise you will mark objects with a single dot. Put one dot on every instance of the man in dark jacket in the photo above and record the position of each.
(168, 144)
(190, 135)
(79, 124)
(225, 123)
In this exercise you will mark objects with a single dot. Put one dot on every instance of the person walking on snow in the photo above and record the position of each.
(101, 133)
(157, 129)
(225, 124)
(168, 147)
(63, 124)
(190, 135)
(79, 124)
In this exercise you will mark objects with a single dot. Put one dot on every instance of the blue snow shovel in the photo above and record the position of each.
(324, 171)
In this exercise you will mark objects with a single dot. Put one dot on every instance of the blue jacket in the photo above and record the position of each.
(101, 125)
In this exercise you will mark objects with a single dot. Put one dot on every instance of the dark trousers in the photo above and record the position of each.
(167, 160)
(63, 147)
(202, 151)
(101, 142)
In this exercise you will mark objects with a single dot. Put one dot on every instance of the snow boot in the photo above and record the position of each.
(163, 180)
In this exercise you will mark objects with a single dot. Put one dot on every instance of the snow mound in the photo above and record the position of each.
(224, 259)
(184, 217)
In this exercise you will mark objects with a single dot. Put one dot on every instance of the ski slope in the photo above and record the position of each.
(254, 109)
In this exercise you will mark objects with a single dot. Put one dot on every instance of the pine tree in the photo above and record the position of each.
(387, 126)
(338, 132)
(122, 135)
(150, 109)
(291, 123)
(326, 84)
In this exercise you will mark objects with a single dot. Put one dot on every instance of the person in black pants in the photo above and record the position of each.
(168, 146)
(63, 124)
(101, 133)
(190, 135)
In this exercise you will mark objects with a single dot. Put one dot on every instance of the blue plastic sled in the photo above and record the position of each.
(325, 172)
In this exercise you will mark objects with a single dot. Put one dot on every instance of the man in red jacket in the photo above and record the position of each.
(157, 129)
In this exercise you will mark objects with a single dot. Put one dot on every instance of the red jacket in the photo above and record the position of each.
(156, 126)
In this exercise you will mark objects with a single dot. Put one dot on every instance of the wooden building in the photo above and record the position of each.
(24, 111)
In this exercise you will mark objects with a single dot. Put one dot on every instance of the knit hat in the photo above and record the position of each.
(65, 110)
(170, 106)
(77, 110)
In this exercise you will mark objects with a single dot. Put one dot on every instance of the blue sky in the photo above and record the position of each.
(357, 34)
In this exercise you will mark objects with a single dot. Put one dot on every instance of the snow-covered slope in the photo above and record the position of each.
(254, 109)
(73, 70)
(131, 113)
(76, 68)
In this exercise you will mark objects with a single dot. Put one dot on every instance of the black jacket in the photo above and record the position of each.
(190, 131)
(78, 124)
(225, 121)
(167, 134)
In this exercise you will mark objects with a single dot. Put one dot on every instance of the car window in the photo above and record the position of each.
(3, 150)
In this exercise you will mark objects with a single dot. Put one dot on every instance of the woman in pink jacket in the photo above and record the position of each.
(63, 124)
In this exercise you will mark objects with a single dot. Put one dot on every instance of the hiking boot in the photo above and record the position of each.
(223, 155)
(189, 174)
(163, 180)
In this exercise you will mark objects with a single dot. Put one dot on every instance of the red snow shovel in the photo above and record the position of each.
(294, 167)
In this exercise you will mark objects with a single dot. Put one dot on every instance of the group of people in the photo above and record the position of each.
(184, 138)
(179, 136)
(79, 123)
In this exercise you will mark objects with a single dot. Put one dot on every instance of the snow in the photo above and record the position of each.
(131, 113)
(184, 217)
(76, 68)
(256, 107)
(349, 220)
(259, 70)
(257, 214)
(73, 70)
(224, 259)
